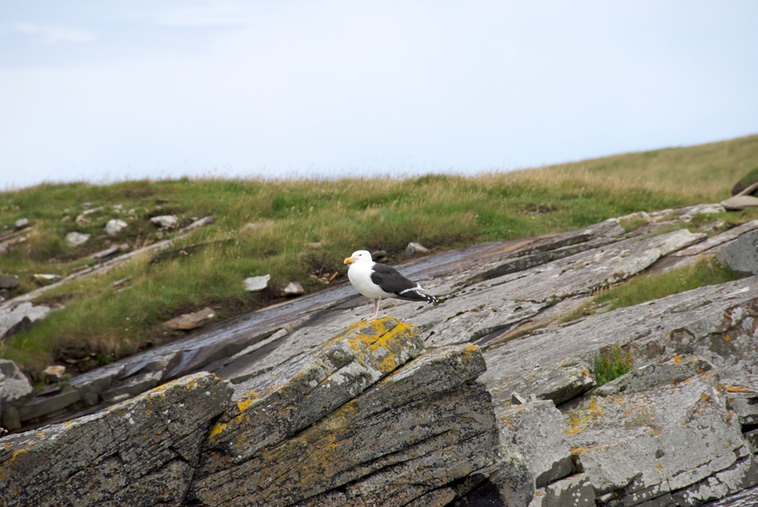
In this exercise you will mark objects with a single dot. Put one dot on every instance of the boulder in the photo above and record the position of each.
(115, 226)
(75, 239)
(21, 223)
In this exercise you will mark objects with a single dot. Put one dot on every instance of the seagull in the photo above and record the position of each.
(377, 281)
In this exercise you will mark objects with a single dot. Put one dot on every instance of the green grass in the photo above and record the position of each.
(101, 322)
(648, 287)
(611, 363)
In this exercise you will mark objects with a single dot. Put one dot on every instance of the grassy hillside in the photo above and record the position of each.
(266, 226)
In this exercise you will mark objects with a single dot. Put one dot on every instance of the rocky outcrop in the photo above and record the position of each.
(297, 433)
(140, 452)
(679, 428)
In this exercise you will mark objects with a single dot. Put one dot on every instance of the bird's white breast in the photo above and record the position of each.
(359, 274)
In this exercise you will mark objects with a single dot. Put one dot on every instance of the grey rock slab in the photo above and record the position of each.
(719, 239)
(652, 442)
(742, 254)
(139, 452)
(299, 392)
(745, 405)
(133, 386)
(45, 405)
(648, 376)
(91, 385)
(740, 476)
(695, 321)
(535, 430)
(745, 498)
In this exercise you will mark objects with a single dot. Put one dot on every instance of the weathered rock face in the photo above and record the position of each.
(371, 418)
(140, 452)
(662, 435)
(297, 433)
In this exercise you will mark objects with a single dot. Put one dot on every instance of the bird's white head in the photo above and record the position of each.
(358, 256)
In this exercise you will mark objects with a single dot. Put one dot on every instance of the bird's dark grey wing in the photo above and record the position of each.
(393, 282)
(389, 279)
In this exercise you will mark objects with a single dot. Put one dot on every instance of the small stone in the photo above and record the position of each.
(115, 226)
(190, 321)
(83, 218)
(517, 399)
(21, 223)
(256, 283)
(9, 282)
(165, 221)
(45, 278)
(200, 223)
(76, 238)
(294, 289)
(104, 254)
(54, 373)
(414, 248)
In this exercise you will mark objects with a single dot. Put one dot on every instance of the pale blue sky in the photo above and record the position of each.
(104, 90)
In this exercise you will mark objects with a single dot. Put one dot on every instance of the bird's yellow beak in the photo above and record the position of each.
(349, 260)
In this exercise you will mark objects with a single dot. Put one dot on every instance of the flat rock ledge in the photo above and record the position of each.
(295, 434)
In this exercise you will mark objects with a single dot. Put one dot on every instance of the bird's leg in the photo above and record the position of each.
(376, 308)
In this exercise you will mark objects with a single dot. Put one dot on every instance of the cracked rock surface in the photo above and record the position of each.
(487, 398)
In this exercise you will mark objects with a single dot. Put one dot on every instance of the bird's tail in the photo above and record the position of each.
(417, 294)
